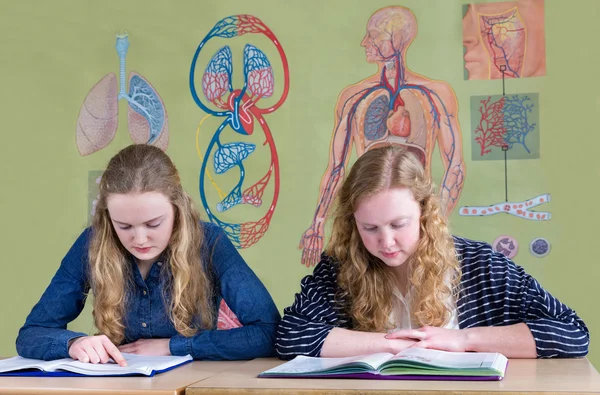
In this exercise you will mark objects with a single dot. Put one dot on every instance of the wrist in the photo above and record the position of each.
(471, 339)
(72, 340)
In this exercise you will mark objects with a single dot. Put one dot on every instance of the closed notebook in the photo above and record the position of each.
(137, 365)
(410, 364)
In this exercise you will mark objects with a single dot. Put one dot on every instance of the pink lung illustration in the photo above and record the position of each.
(146, 113)
(98, 121)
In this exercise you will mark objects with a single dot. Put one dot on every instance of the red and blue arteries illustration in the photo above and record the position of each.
(98, 118)
(239, 108)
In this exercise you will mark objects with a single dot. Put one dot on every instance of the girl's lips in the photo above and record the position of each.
(390, 254)
(143, 250)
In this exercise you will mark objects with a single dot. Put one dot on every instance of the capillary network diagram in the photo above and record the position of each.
(239, 110)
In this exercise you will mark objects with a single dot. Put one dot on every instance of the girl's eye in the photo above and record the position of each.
(154, 225)
(124, 227)
(398, 226)
(370, 229)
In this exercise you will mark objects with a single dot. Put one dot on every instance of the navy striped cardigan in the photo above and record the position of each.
(494, 291)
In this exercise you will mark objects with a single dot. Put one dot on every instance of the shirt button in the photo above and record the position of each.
(144, 292)
(144, 324)
(159, 263)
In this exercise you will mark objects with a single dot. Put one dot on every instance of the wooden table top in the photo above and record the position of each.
(172, 382)
(549, 376)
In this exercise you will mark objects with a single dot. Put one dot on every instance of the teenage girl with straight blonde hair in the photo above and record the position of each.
(157, 275)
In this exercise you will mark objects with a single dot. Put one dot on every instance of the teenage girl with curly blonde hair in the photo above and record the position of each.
(393, 277)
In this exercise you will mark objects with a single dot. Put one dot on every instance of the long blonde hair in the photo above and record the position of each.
(366, 284)
(144, 168)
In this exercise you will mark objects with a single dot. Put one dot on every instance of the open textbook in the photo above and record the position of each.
(409, 364)
(136, 365)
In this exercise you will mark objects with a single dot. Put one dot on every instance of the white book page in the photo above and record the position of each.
(135, 364)
(446, 359)
(500, 362)
(18, 363)
(304, 364)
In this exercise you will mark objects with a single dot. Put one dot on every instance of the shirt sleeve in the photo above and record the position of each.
(44, 334)
(314, 313)
(502, 293)
(249, 300)
(556, 328)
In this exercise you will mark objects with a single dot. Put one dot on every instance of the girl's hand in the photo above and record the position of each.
(435, 338)
(95, 349)
(159, 347)
(397, 345)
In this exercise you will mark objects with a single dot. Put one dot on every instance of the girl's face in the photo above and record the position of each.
(389, 225)
(143, 222)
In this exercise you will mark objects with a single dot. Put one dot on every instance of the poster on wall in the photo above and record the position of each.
(97, 122)
(504, 39)
(505, 123)
(240, 112)
(394, 106)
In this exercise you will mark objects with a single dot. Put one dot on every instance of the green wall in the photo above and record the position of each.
(54, 52)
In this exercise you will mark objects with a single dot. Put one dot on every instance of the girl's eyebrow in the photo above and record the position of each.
(401, 218)
(123, 223)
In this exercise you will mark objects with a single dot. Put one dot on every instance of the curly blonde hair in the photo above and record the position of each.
(366, 284)
(144, 168)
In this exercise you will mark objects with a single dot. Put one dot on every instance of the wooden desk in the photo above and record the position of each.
(171, 382)
(554, 376)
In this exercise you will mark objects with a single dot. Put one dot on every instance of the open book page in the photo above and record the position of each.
(302, 364)
(19, 363)
(451, 360)
(136, 364)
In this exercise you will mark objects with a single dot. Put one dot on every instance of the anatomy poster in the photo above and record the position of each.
(240, 113)
(98, 117)
(394, 106)
(504, 38)
(505, 123)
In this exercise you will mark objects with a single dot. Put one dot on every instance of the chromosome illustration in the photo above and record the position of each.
(506, 245)
(239, 110)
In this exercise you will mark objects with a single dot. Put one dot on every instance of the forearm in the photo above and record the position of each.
(45, 343)
(513, 341)
(344, 343)
(247, 342)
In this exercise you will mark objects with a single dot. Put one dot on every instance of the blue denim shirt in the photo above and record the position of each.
(45, 334)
